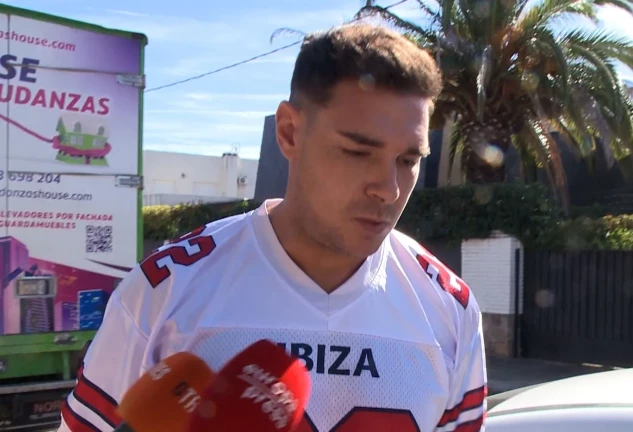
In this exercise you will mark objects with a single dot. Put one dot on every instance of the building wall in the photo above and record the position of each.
(171, 178)
(272, 174)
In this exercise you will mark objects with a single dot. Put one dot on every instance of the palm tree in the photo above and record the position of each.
(510, 78)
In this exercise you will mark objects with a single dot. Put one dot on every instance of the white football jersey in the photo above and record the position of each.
(398, 347)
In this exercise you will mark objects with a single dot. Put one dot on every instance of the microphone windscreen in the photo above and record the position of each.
(261, 389)
(164, 397)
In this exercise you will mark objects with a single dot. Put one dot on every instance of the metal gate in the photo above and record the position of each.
(578, 306)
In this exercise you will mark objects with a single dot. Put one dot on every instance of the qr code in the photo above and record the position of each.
(98, 238)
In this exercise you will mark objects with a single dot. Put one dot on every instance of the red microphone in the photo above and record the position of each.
(261, 389)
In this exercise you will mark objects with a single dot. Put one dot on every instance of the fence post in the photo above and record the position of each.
(516, 351)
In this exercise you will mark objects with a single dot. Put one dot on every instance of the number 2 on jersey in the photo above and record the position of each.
(179, 255)
(368, 420)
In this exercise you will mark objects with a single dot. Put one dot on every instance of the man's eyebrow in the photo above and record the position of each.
(362, 139)
(414, 150)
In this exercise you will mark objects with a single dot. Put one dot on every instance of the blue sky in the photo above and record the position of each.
(190, 37)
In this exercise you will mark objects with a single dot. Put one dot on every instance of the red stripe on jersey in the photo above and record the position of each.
(471, 426)
(472, 399)
(90, 395)
(459, 290)
(75, 422)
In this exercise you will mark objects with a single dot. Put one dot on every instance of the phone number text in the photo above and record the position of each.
(28, 177)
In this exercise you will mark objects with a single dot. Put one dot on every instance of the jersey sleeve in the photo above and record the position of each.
(129, 340)
(113, 362)
(466, 410)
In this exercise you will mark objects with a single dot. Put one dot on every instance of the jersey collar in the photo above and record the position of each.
(367, 278)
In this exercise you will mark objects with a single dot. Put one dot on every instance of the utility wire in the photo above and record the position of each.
(223, 68)
(175, 83)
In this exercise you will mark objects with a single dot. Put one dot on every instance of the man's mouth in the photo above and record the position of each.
(373, 225)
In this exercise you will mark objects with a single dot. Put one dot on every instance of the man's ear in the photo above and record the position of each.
(288, 126)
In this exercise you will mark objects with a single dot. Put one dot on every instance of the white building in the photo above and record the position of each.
(175, 178)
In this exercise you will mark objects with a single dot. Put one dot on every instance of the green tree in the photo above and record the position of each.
(514, 73)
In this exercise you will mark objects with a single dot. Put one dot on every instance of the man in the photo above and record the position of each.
(392, 338)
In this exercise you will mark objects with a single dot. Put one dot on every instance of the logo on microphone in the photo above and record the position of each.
(277, 401)
(159, 371)
(188, 397)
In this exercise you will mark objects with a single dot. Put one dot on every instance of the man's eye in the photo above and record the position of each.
(355, 152)
(409, 162)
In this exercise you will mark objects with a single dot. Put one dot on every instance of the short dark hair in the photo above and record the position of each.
(361, 51)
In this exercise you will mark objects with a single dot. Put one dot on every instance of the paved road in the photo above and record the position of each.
(510, 374)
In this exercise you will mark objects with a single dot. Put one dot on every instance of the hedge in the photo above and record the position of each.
(449, 214)
(474, 211)
(607, 232)
(164, 222)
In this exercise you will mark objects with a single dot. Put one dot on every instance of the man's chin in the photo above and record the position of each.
(365, 247)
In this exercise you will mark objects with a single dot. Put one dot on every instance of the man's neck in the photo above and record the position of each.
(325, 267)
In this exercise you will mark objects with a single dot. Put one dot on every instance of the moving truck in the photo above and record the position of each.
(71, 97)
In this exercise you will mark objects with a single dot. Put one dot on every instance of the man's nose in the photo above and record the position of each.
(384, 184)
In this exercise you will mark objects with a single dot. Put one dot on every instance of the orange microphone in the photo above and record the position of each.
(261, 389)
(164, 398)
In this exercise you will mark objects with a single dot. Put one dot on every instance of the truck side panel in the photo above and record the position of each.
(69, 137)
(5, 262)
(70, 159)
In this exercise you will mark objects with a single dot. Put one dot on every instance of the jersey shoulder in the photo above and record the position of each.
(184, 256)
(427, 268)
(448, 302)
(162, 278)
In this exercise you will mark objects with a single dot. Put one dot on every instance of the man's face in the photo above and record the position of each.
(354, 165)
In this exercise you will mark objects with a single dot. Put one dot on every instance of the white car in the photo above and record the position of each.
(598, 402)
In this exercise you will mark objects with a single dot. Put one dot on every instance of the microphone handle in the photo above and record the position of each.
(123, 427)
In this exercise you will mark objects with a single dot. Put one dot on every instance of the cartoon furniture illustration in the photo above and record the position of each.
(82, 139)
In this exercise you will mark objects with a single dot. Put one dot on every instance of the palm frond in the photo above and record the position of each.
(435, 15)
(285, 31)
(457, 24)
(621, 127)
(455, 146)
(548, 150)
(625, 5)
(574, 119)
(525, 145)
(548, 43)
(540, 14)
(518, 7)
(396, 21)
(607, 44)
(448, 11)
(581, 143)
(470, 19)
(606, 73)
